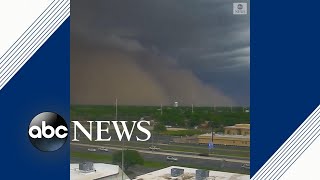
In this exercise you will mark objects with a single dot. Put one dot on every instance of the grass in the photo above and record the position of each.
(91, 156)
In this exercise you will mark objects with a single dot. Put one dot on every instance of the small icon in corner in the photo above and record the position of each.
(239, 8)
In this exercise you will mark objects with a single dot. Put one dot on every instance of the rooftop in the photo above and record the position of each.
(101, 170)
(225, 136)
(239, 126)
(189, 174)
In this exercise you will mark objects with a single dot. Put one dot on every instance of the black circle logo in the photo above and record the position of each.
(240, 6)
(48, 131)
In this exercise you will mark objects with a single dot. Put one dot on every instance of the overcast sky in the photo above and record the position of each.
(150, 52)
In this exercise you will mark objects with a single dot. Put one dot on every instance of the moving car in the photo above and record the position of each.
(154, 148)
(92, 150)
(245, 166)
(104, 149)
(171, 158)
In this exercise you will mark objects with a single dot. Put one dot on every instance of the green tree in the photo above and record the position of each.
(131, 158)
(159, 127)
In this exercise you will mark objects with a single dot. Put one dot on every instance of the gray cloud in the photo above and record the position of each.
(161, 51)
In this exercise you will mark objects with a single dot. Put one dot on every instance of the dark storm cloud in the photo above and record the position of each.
(191, 51)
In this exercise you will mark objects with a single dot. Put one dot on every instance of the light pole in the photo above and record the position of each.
(122, 154)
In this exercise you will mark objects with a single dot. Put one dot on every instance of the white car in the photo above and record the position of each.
(92, 150)
(154, 148)
(104, 149)
(171, 158)
(245, 166)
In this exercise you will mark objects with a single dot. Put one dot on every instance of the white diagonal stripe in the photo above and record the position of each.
(292, 149)
(11, 60)
(32, 39)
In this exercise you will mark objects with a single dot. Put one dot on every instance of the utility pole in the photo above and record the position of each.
(122, 154)
(212, 131)
(152, 141)
(116, 109)
(122, 163)
(192, 108)
(161, 109)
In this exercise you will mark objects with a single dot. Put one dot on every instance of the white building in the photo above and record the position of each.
(176, 104)
(190, 174)
(93, 171)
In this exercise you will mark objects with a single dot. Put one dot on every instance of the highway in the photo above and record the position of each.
(184, 159)
(232, 152)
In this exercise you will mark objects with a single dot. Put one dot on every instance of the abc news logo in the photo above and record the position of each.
(240, 8)
(48, 131)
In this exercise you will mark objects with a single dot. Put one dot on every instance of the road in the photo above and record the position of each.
(232, 152)
(184, 159)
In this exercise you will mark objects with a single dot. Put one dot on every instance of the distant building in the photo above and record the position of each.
(176, 104)
(228, 140)
(180, 173)
(95, 171)
(237, 135)
(238, 129)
